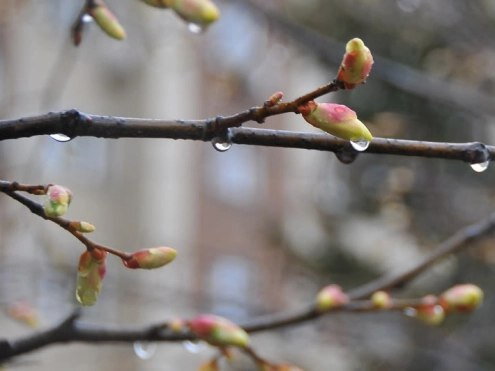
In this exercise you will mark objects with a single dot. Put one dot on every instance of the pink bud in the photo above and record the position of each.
(218, 331)
(151, 258)
(330, 297)
(90, 274)
(381, 300)
(57, 201)
(462, 298)
(356, 64)
(336, 119)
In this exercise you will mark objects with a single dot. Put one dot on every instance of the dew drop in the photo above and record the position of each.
(144, 350)
(194, 346)
(480, 167)
(60, 137)
(410, 312)
(195, 28)
(86, 18)
(360, 145)
(346, 157)
(220, 144)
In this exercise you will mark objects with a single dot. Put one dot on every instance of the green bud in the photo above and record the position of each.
(200, 12)
(107, 20)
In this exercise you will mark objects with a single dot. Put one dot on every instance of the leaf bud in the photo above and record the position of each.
(462, 298)
(330, 297)
(83, 227)
(107, 21)
(335, 119)
(155, 257)
(199, 12)
(218, 331)
(356, 64)
(381, 300)
(429, 311)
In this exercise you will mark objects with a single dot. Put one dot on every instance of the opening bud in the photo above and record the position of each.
(90, 274)
(199, 12)
(356, 64)
(106, 20)
(57, 201)
(155, 257)
(330, 297)
(462, 298)
(335, 119)
(381, 300)
(218, 331)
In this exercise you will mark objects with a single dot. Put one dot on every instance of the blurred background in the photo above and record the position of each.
(258, 230)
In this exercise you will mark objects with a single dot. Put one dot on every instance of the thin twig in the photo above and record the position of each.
(10, 188)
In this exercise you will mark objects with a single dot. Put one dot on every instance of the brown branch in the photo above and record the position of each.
(72, 330)
(74, 123)
(11, 188)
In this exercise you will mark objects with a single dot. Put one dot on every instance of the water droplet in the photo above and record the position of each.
(220, 144)
(144, 350)
(346, 157)
(194, 346)
(480, 167)
(410, 312)
(86, 18)
(360, 145)
(60, 137)
(195, 28)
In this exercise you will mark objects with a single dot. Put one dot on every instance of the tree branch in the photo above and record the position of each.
(72, 330)
(74, 123)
